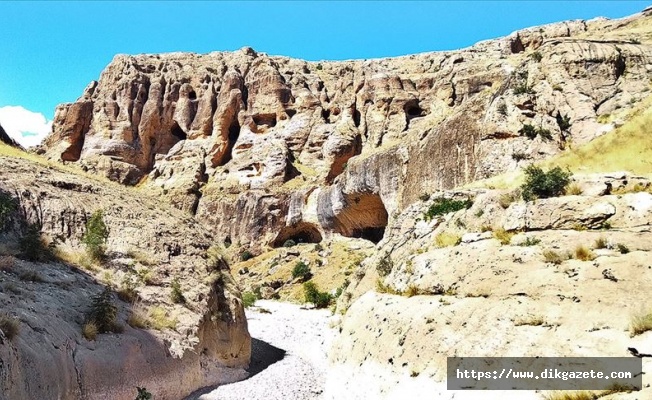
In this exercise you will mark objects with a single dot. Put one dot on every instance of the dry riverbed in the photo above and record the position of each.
(289, 357)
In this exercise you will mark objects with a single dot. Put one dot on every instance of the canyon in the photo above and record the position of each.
(219, 173)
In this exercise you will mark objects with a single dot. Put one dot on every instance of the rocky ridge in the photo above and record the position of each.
(200, 341)
(296, 149)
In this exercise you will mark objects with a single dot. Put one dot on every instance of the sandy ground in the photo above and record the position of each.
(289, 357)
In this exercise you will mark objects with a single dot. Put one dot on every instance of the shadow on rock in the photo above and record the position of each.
(263, 355)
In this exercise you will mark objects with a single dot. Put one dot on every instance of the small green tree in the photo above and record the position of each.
(314, 296)
(177, 295)
(540, 184)
(143, 394)
(301, 270)
(95, 236)
(103, 312)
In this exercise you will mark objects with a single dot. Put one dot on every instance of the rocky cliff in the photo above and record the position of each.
(180, 323)
(4, 138)
(304, 150)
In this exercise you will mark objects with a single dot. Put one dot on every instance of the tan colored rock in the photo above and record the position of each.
(206, 341)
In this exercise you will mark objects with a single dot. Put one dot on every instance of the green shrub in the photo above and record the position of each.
(502, 109)
(301, 270)
(622, 248)
(540, 184)
(385, 265)
(95, 236)
(530, 241)
(289, 243)
(536, 56)
(32, 247)
(563, 121)
(532, 132)
(319, 67)
(143, 394)
(177, 295)
(519, 156)
(7, 205)
(442, 206)
(314, 296)
(9, 326)
(246, 255)
(103, 312)
(248, 299)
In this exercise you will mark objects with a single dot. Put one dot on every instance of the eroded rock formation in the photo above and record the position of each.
(243, 135)
(200, 341)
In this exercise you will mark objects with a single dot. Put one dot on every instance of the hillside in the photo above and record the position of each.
(394, 186)
(51, 345)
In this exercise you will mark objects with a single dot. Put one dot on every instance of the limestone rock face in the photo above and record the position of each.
(200, 341)
(561, 276)
(243, 131)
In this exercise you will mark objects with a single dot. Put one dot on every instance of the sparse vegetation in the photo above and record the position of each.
(424, 196)
(385, 265)
(536, 56)
(442, 206)
(9, 325)
(446, 239)
(530, 241)
(7, 205)
(31, 276)
(104, 312)
(314, 296)
(622, 248)
(143, 394)
(157, 318)
(532, 320)
(89, 330)
(301, 270)
(289, 243)
(539, 184)
(246, 255)
(553, 257)
(127, 291)
(506, 199)
(573, 190)
(95, 236)
(584, 254)
(381, 287)
(248, 299)
(563, 121)
(32, 246)
(6, 263)
(502, 109)
(531, 132)
(601, 243)
(503, 236)
(177, 294)
(640, 323)
(519, 156)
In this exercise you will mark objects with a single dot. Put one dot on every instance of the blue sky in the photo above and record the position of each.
(51, 50)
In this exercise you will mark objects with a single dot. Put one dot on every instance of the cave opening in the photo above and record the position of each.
(356, 118)
(265, 119)
(178, 133)
(192, 95)
(364, 217)
(303, 232)
(233, 135)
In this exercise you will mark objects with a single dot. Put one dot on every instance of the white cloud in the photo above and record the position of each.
(26, 127)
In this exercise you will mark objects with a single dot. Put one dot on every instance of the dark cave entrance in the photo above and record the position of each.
(233, 135)
(303, 232)
(364, 217)
(178, 133)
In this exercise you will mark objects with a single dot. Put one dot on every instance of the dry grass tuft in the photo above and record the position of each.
(533, 320)
(553, 257)
(640, 323)
(583, 253)
(9, 326)
(503, 236)
(446, 239)
(573, 190)
(90, 330)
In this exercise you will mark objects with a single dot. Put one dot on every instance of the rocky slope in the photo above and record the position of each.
(564, 276)
(304, 150)
(4, 138)
(47, 284)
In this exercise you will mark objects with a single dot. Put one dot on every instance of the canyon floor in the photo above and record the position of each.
(289, 354)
